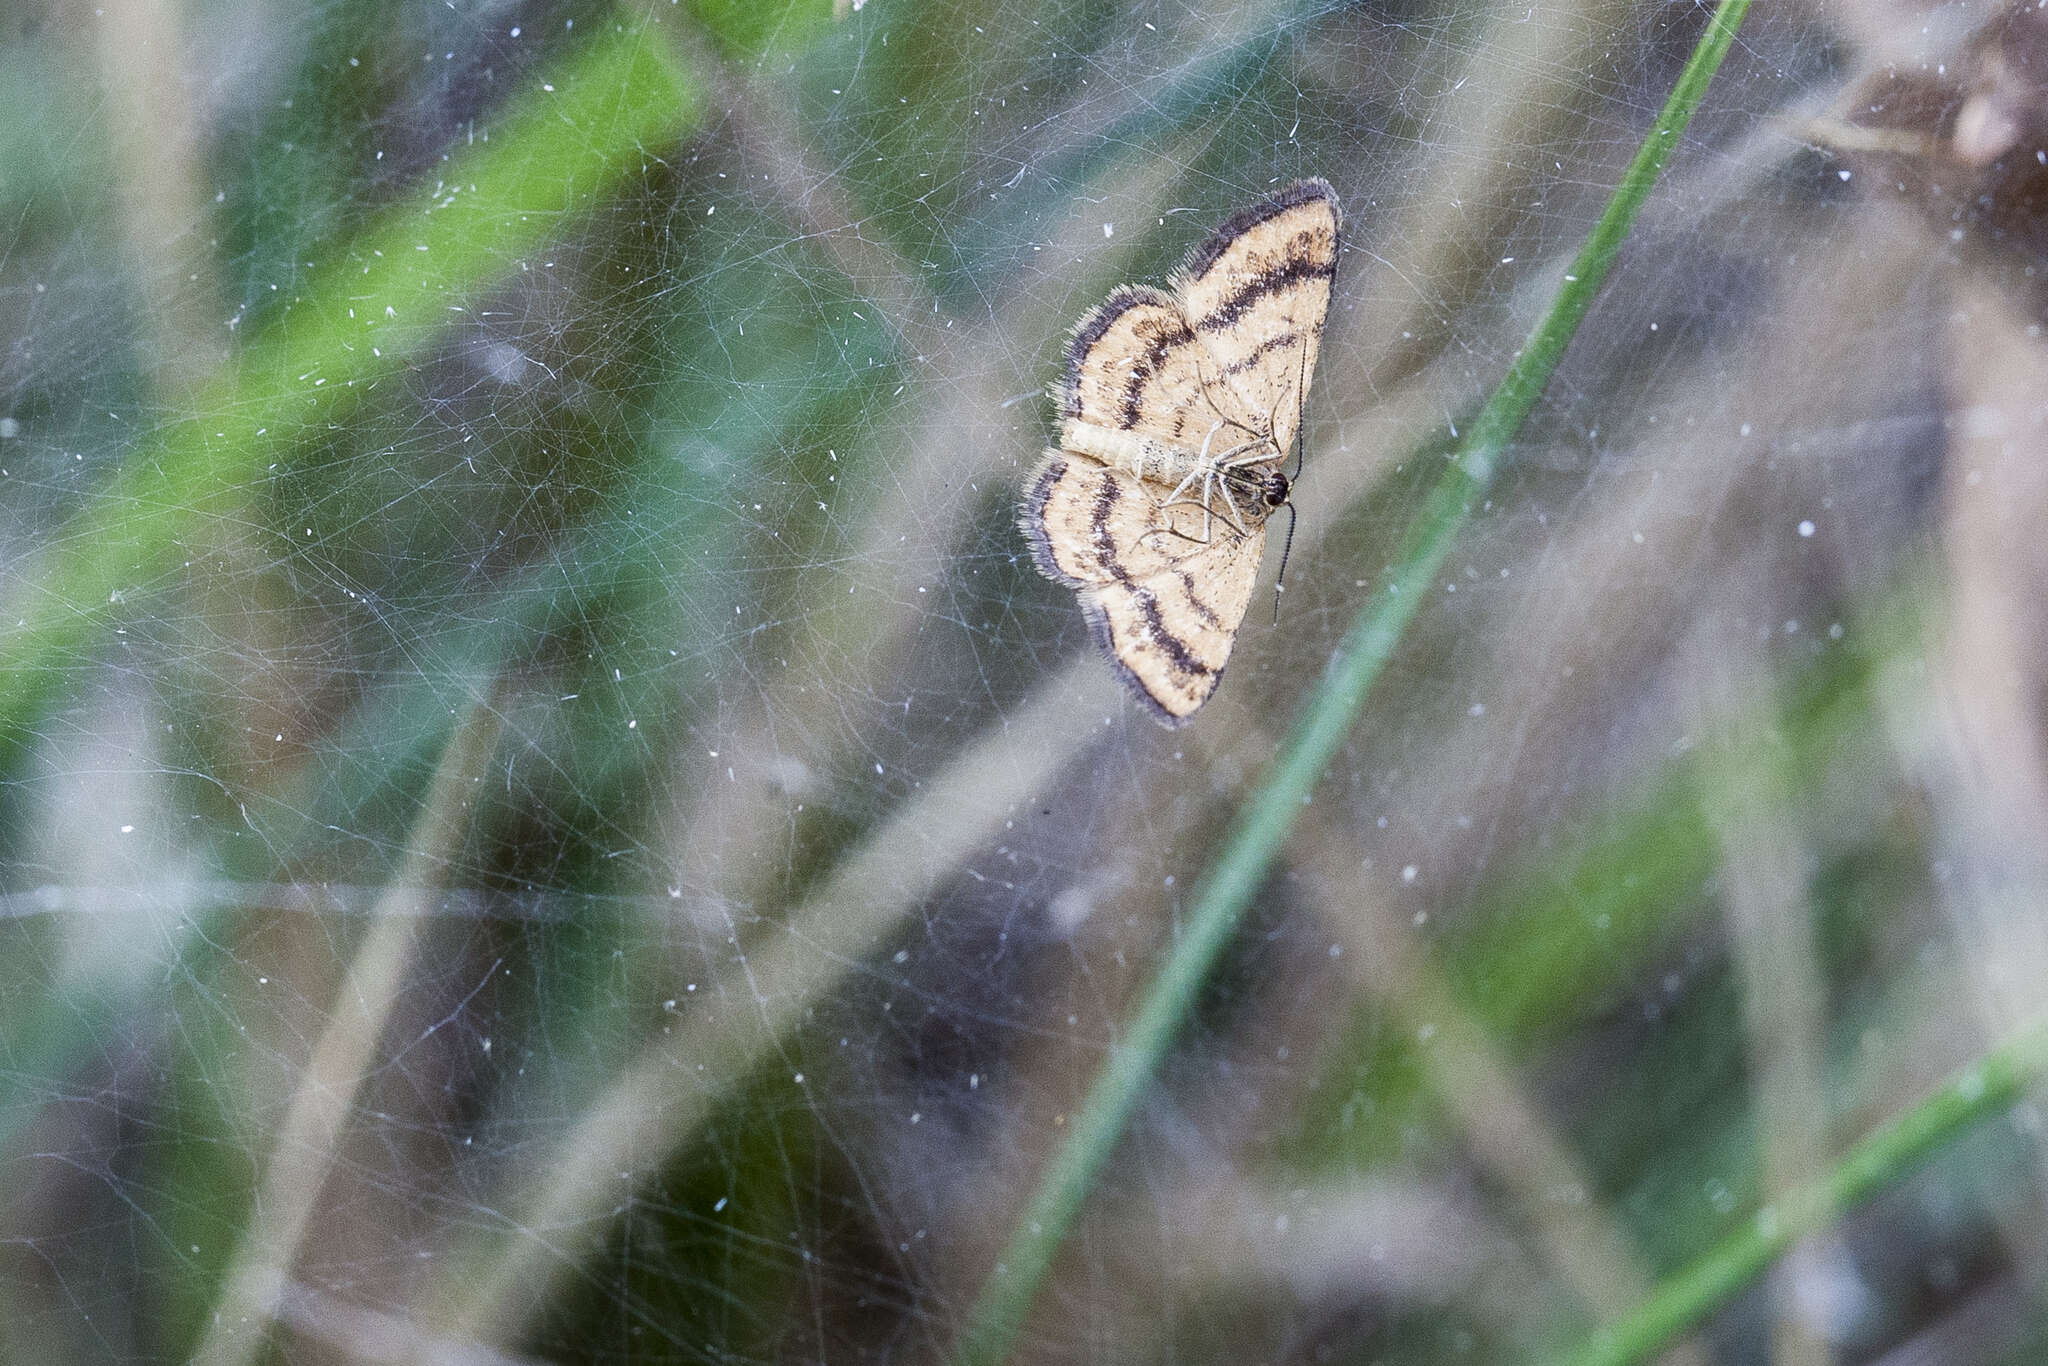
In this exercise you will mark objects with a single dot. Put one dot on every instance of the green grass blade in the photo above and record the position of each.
(1984, 1088)
(376, 303)
(1263, 826)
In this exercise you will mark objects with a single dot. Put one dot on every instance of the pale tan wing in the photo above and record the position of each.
(1089, 524)
(1165, 608)
(1171, 634)
(1134, 365)
(1256, 294)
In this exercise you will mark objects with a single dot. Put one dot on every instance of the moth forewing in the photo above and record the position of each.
(1257, 293)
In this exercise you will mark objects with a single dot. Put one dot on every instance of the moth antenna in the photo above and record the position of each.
(1286, 549)
(1300, 418)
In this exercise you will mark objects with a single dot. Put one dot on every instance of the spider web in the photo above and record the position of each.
(595, 844)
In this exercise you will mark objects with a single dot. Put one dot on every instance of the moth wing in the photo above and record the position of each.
(1164, 608)
(1090, 524)
(1171, 634)
(1135, 365)
(1256, 294)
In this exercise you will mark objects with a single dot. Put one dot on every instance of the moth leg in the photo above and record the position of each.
(1175, 499)
(1178, 498)
(1300, 395)
(1254, 452)
(1176, 533)
(1199, 545)
(1223, 419)
(1235, 518)
(1212, 485)
(1180, 490)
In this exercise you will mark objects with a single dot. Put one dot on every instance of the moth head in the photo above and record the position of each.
(1273, 488)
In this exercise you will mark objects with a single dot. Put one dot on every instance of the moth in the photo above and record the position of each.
(1178, 408)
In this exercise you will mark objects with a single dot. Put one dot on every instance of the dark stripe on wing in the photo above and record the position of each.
(1202, 609)
(1031, 521)
(1106, 499)
(1249, 217)
(1089, 332)
(1086, 334)
(1097, 617)
(1273, 281)
(1259, 353)
(1142, 373)
(1176, 649)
